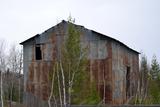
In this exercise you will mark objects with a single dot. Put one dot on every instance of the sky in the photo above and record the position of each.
(133, 22)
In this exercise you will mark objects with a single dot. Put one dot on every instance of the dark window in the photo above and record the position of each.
(128, 82)
(38, 52)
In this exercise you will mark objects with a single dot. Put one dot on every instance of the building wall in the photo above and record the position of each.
(107, 64)
(121, 59)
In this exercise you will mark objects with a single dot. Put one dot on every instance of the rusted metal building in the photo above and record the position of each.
(113, 64)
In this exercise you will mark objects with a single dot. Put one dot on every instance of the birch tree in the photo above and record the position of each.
(72, 84)
(74, 61)
(52, 86)
(79, 88)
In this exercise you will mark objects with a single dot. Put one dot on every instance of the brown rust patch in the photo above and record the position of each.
(52, 40)
(101, 69)
(27, 87)
(37, 90)
(44, 92)
(109, 71)
(45, 72)
(31, 72)
(32, 88)
(38, 72)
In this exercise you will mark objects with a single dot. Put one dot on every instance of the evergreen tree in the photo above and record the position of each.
(154, 85)
(155, 68)
(143, 81)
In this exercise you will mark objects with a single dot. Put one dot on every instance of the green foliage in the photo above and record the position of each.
(144, 65)
(93, 97)
(82, 92)
(154, 82)
(144, 74)
(155, 68)
(154, 92)
(74, 63)
(7, 93)
(149, 87)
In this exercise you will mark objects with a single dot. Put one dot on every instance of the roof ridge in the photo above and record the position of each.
(64, 21)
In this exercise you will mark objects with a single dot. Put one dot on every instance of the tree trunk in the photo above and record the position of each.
(1, 90)
(51, 93)
(64, 89)
(19, 90)
(59, 87)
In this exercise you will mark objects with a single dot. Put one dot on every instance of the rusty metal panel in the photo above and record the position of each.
(88, 35)
(98, 49)
(123, 58)
(93, 50)
(28, 53)
(101, 68)
(48, 55)
(102, 49)
(108, 62)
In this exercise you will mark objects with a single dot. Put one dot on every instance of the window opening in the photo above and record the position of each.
(38, 52)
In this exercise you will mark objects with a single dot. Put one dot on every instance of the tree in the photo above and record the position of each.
(13, 76)
(155, 68)
(144, 72)
(143, 81)
(2, 67)
(70, 77)
(154, 86)
(75, 56)
(52, 87)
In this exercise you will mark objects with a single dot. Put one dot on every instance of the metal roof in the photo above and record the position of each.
(63, 21)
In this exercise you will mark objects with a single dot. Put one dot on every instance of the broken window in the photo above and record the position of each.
(38, 52)
(128, 82)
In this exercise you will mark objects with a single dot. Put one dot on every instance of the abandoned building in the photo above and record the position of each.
(109, 59)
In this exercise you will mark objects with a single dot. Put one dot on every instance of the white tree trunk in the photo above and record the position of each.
(72, 78)
(20, 68)
(51, 93)
(64, 89)
(59, 86)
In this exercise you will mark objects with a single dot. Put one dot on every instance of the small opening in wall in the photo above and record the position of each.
(128, 82)
(38, 52)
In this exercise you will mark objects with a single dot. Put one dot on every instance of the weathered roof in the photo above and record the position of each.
(63, 21)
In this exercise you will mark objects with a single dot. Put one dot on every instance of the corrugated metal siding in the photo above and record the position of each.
(121, 59)
(107, 64)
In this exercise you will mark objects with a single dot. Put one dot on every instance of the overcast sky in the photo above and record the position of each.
(134, 22)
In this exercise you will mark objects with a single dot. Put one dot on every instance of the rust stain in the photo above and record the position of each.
(31, 72)
(44, 92)
(100, 69)
(32, 88)
(52, 40)
(109, 71)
